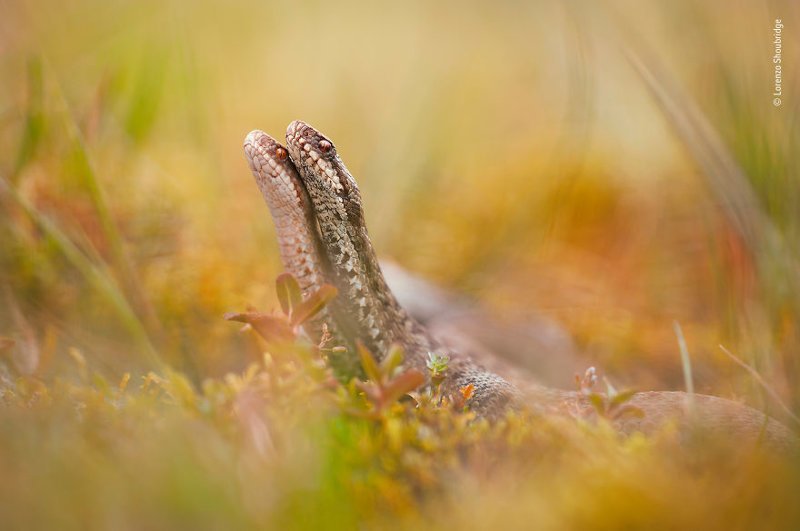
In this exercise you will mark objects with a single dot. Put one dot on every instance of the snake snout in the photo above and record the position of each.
(297, 128)
(260, 139)
(255, 137)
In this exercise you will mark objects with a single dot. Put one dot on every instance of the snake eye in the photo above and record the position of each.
(325, 146)
(280, 153)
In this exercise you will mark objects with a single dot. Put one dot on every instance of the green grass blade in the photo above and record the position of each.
(34, 119)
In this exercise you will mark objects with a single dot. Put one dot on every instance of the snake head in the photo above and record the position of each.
(277, 179)
(265, 155)
(320, 164)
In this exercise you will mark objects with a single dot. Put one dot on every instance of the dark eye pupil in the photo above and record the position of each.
(325, 146)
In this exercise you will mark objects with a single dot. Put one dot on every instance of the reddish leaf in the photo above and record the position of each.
(288, 290)
(310, 307)
(373, 392)
(404, 383)
(467, 391)
(270, 327)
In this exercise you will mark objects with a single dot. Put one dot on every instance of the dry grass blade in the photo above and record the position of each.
(758, 378)
(97, 275)
(123, 267)
(725, 177)
(686, 362)
(27, 354)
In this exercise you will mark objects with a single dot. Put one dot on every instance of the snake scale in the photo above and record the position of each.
(322, 236)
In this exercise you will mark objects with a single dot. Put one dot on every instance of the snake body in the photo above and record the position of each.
(319, 218)
(295, 224)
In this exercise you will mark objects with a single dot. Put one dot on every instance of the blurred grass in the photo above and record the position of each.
(512, 151)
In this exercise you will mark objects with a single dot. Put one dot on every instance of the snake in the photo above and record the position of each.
(318, 213)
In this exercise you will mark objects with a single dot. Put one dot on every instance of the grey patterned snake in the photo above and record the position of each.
(319, 219)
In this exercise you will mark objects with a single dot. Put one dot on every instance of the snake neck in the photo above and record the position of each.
(298, 239)
(367, 309)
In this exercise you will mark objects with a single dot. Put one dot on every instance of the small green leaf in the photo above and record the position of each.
(437, 363)
(392, 360)
(288, 290)
(33, 134)
(597, 402)
(629, 411)
(368, 362)
(622, 397)
(181, 388)
(100, 383)
(313, 305)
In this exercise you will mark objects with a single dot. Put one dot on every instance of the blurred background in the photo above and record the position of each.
(610, 167)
